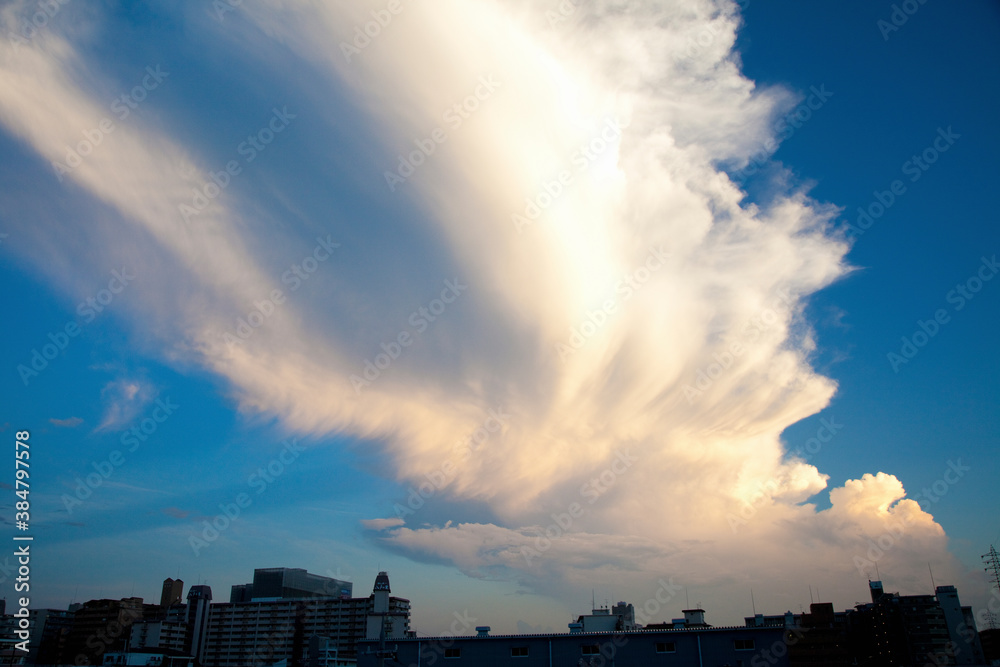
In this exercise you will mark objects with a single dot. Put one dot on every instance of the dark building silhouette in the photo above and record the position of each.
(822, 638)
(173, 592)
(891, 631)
(283, 583)
(905, 630)
(100, 626)
(50, 632)
(990, 639)
(241, 593)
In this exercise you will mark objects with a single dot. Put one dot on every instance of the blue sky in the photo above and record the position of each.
(546, 301)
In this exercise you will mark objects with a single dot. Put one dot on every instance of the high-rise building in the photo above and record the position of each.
(820, 637)
(961, 623)
(197, 620)
(282, 583)
(310, 622)
(50, 630)
(265, 631)
(899, 629)
(173, 592)
(241, 593)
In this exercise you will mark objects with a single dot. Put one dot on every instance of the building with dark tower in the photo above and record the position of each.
(173, 592)
(283, 583)
(197, 620)
(383, 621)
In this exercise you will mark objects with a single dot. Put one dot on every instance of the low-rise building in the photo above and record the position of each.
(689, 646)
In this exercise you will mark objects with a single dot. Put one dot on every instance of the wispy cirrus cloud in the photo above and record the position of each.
(124, 399)
(175, 512)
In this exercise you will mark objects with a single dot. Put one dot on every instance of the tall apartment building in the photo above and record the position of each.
(262, 632)
(892, 630)
(197, 618)
(961, 624)
(169, 635)
(898, 629)
(285, 614)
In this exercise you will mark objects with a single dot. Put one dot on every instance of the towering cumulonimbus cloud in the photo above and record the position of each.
(534, 283)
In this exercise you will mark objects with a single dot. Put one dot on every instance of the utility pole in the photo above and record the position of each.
(992, 560)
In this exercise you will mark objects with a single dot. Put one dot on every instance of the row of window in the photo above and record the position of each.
(595, 649)
(515, 652)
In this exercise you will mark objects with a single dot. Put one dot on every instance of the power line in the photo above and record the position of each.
(992, 560)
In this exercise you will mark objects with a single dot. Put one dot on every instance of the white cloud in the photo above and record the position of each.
(647, 310)
(380, 524)
(124, 399)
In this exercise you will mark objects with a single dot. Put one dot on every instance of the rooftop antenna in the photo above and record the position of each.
(876, 572)
(933, 585)
(811, 595)
(752, 603)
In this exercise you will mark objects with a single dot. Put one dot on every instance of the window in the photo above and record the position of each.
(453, 653)
(666, 647)
(519, 652)
(743, 644)
(590, 649)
